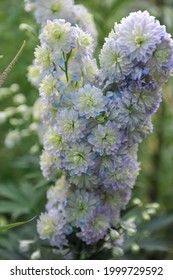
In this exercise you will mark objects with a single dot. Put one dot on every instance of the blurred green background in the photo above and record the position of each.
(22, 187)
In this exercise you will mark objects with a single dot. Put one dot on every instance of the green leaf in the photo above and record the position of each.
(15, 224)
(158, 223)
(22, 199)
(155, 243)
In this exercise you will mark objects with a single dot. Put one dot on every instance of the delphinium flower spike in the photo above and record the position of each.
(95, 125)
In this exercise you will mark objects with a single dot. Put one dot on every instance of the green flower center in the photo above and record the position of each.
(81, 207)
(89, 102)
(139, 40)
(56, 8)
(85, 42)
(101, 118)
(57, 34)
(69, 126)
(55, 139)
(105, 136)
(78, 158)
(109, 138)
(116, 57)
(48, 229)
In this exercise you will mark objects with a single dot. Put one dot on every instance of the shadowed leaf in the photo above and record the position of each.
(15, 225)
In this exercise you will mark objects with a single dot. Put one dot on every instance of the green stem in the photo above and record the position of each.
(66, 58)
(66, 70)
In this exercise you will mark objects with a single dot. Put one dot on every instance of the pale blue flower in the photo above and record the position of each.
(106, 139)
(62, 9)
(87, 181)
(115, 199)
(78, 157)
(52, 225)
(95, 129)
(53, 143)
(69, 126)
(89, 101)
(140, 132)
(106, 162)
(123, 177)
(80, 205)
(95, 227)
(115, 64)
(148, 101)
(161, 61)
(139, 34)
(53, 9)
(129, 115)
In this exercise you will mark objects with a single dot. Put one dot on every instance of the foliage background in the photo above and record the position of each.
(22, 187)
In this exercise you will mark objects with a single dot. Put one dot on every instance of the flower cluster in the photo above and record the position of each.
(77, 15)
(96, 120)
(62, 9)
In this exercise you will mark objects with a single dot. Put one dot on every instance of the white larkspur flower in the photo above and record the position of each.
(139, 34)
(49, 165)
(48, 85)
(42, 58)
(78, 158)
(53, 142)
(114, 62)
(48, 90)
(69, 126)
(89, 69)
(89, 101)
(46, 163)
(84, 42)
(58, 35)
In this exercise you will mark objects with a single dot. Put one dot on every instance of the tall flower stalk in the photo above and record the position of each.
(95, 120)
